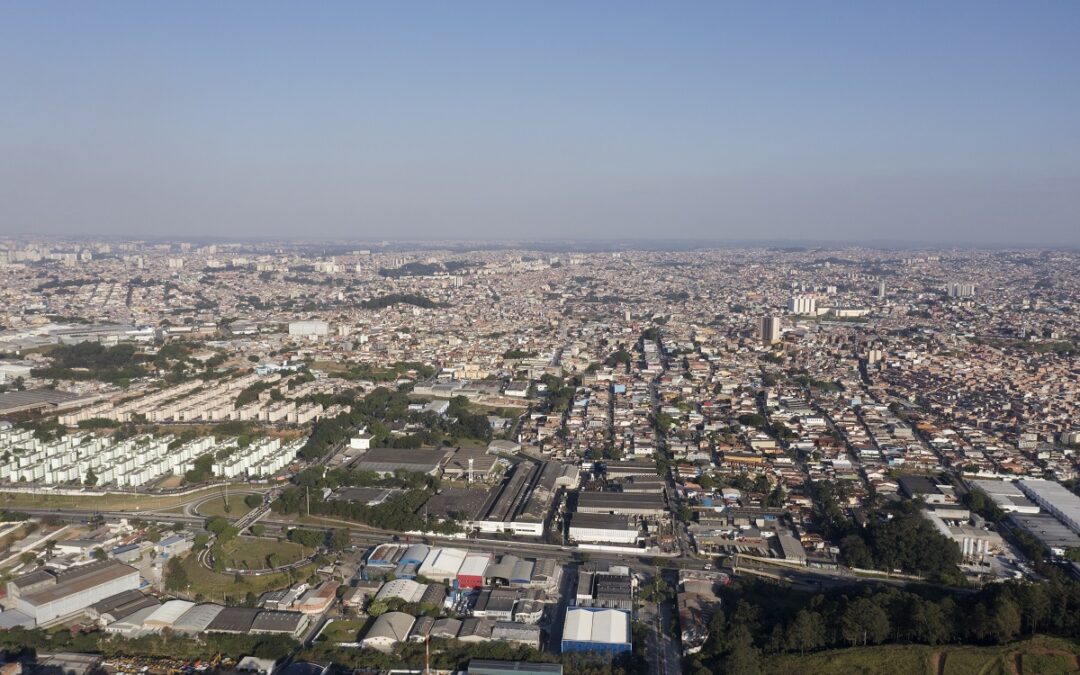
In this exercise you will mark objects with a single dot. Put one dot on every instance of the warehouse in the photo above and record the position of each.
(58, 594)
(118, 606)
(490, 667)
(197, 619)
(385, 461)
(509, 631)
(471, 574)
(635, 467)
(167, 614)
(389, 630)
(496, 603)
(311, 328)
(233, 620)
(600, 589)
(1056, 499)
(442, 564)
(602, 528)
(1049, 531)
(1005, 495)
(621, 503)
(279, 623)
(589, 630)
(509, 571)
(405, 590)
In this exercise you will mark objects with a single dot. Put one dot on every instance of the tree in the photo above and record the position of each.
(99, 554)
(176, 577)
(931, 625)
(864, 622)
(743, 657)
(91, 478)
(258, 529)
(377, 608)
(217, 525)
(340, 539)
(253, 501)
(27, 557)
(806, 632)
(1004, 621)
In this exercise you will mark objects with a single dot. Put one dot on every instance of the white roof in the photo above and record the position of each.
(475, 564)
(168, 613)
(406, 589)
(1057, 498)
(198, 617)
(586, 624)
(443, 562)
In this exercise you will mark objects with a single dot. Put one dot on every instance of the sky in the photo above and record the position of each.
(845, 122)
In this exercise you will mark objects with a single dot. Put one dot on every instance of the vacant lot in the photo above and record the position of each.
(342, 631)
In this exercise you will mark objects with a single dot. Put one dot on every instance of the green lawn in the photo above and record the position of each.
(225, 587)
(216, 507)
(342, 631)
(252, 552)
(110, 502)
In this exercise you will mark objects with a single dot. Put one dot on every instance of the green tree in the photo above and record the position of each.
(377, 608)
(253, 501)
(806, 632)
(743, 658)
(340, 539)
(1004, 621)
(91, 478)
(864, 622)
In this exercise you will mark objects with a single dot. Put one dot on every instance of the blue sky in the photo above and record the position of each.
(955, 122)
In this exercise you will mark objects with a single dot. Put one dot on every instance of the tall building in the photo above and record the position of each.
(956, 290)
(769, 329)
(802, 304)
(881, 290)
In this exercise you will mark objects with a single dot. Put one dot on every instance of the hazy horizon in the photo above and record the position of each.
(833, 122)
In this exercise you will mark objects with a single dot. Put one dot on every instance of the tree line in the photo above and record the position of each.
(760, 620)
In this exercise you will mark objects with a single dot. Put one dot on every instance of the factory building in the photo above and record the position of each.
(388, 631)
(1005, 495)
(309, 328)
(589, 630)
(46, 595)
(634, 504)
(471, 574)
(1056, 499)
(385, 461)
(604, 528)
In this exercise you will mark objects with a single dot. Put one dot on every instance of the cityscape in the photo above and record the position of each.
(520, 339)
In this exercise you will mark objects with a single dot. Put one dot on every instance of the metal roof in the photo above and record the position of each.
(588, 624)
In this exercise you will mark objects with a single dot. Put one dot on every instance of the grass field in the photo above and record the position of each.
(251, 552)
(107, 502)
(1036, 656)
(342, 631)
(221, 587)
(216, 507)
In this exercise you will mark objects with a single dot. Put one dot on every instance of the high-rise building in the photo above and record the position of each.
(957, 290)
(881, 290)
(769, 329)
(802, 304)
